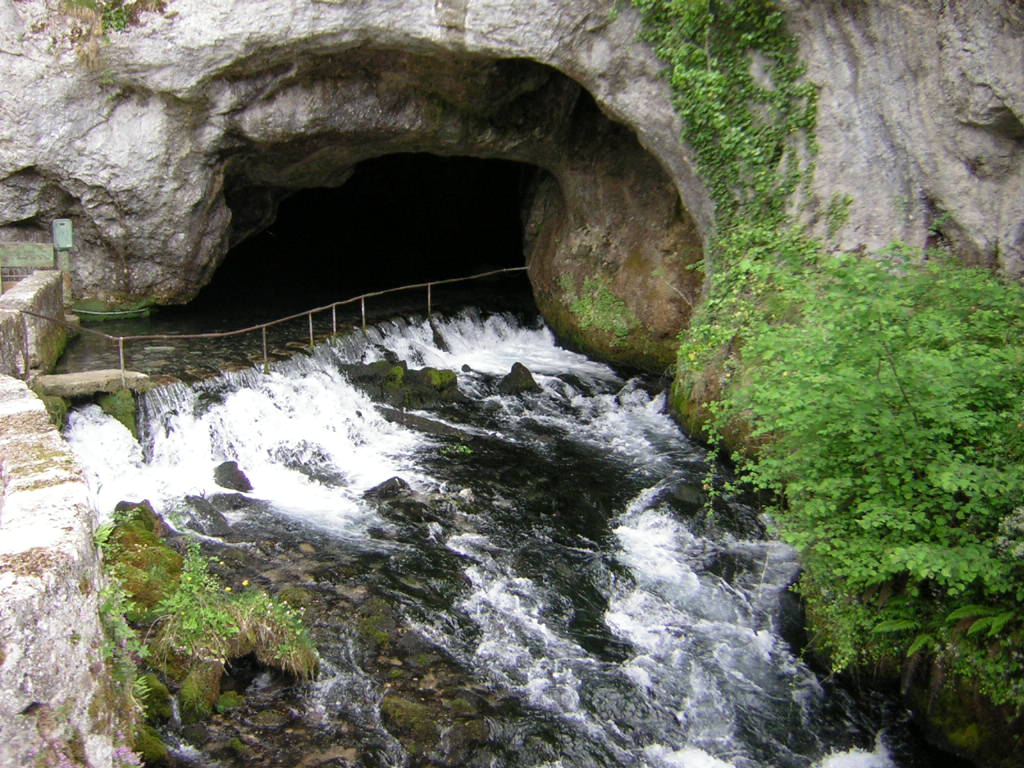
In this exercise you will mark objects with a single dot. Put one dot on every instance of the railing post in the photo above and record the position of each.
(120, 357)
(266, 365)
(362, 307)
(310, 316)
(428, 298)
(334, 318)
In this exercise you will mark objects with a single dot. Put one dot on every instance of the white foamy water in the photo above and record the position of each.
(280, 428)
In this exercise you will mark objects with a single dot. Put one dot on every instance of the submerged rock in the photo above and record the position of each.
(206, 518)
(389, 489)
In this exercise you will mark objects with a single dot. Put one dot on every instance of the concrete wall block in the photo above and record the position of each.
(41, 292)
(12, 344)
(55, 697)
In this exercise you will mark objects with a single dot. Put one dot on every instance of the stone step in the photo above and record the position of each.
(84, 383)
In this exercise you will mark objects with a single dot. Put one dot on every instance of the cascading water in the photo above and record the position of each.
(566, 566)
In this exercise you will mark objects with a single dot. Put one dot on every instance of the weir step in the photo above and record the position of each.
(85, 383)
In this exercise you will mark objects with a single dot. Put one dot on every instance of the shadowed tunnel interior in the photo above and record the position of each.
(398, 219)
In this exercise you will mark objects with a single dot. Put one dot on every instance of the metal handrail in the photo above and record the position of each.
(263, 326)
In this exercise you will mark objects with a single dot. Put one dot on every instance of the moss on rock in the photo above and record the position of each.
(147, 568)
(56, 408)
(412, 722)
(150, 746)
(200, 691)
(376, 623)
(121, 406)
(229, 700)
(157, 701)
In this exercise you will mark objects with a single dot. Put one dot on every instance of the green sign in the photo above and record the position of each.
(62, 238)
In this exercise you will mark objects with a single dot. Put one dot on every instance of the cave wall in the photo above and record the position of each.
(920, 122)
(186, 130)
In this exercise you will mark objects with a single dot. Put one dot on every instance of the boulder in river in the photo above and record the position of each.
(517, 381)
(228, 475)
(397, 385)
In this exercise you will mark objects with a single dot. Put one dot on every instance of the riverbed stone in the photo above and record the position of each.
(206, 518)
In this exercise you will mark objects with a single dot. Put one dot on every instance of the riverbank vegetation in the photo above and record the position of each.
(879, 399)
(170, 620)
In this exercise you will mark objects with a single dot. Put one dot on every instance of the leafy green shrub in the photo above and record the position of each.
(889, 420)
(880, 401)
(194, 621)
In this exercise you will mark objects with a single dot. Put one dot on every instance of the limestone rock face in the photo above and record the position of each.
(191, 126)
(920, 122)
(181, 135)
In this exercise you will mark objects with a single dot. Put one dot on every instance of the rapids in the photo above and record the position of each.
(570, 570)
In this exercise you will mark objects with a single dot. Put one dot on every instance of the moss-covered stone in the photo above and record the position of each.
(56, 408)
(148, 569)
(148, 744)
(121, 406)
(200, 691)
(296, 597)
(412, 722)
(401, 387)
(157, 701)
(376, 623)
(229, 700)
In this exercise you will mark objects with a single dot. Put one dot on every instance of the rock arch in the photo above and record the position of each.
(197, 123)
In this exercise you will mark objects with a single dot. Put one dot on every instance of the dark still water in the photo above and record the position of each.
(549, 590)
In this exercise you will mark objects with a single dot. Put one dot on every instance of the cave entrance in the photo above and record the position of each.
(396, 219)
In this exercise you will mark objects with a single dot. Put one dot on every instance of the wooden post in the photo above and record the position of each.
(334, 318)
(428, 299)
(310, 316)
(362, 307)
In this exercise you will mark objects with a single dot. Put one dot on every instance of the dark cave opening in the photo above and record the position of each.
(399, 219)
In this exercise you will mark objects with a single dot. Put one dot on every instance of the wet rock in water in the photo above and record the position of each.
(233, 502)
(228, 475)
(411, 722)
(270, 718)
(395, 384)
(205, 517)
(423, 424)
(517, 381)
(390, 489)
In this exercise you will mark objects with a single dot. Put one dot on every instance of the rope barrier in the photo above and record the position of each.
(120, 340)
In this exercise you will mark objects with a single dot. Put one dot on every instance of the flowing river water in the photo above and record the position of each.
(554, 551)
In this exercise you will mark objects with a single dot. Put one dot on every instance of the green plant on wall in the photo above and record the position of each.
(597, 307)
(837, 213)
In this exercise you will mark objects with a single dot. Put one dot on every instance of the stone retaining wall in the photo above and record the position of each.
(41, 292)
(57, 703)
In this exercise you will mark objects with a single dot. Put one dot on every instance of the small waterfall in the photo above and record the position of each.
(584, 585)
